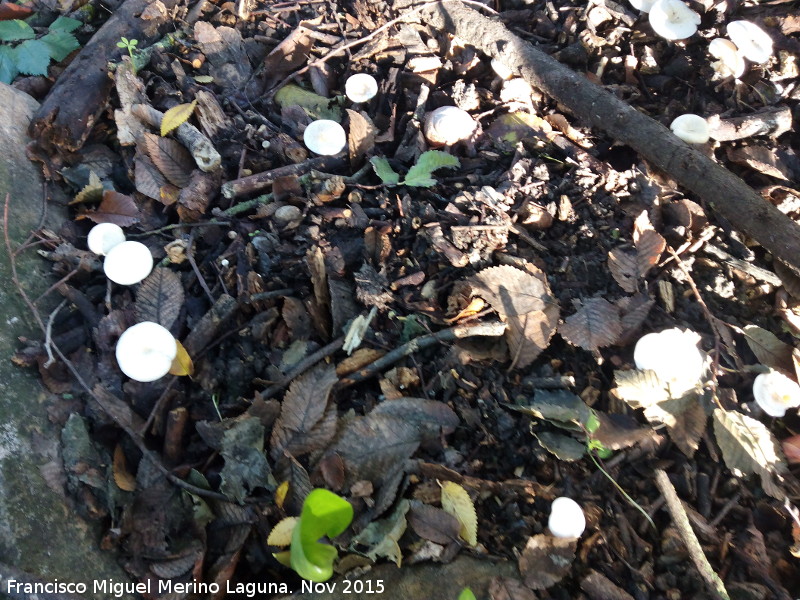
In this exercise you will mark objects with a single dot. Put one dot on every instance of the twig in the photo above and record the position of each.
(200, 280)
(681, 522)
(446, 335)
(259, 181)
(48, 334)
(303, 366)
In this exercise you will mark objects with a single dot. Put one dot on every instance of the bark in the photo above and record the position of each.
(721, 190)
(70, 110)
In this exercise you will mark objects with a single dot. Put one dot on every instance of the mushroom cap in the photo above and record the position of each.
(673, 355)
(730, 62)
(775, 393)
(642, 5)
(447, 125)
(128, 263)
(145, 351)
(325, 137)
(360, 87)
(103, 237)
(753, 42)
(673, 20)
(566, 518)
(692, 129)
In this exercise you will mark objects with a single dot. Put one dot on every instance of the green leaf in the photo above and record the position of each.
(60, 44)
(420, 174)
(15, 30)
(316, 106)
(8, 64)
(592, 423)
(64, 24)
(384, 170)
(324, 514)
(32, 57)
(466, 594)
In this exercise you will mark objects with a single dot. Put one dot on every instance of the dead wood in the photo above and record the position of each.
(720, 189)
(772, 121)
(260, 181)
(67, 115)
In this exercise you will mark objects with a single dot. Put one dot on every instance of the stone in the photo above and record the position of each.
(39, 532)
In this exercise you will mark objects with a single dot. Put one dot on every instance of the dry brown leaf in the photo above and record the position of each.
(303, 407)
(688, 428)
(762, 159)
(619, 431)
(360, 135)
(649, 248)
(769, 350)
(633, 311)
(149, 179)
(624, 269)
(122, 477)
(194, 199)
(160, 297)
(433, 524)
(171, 158)
(91, 192)
(596, 324)
(508, 588)
(115, 208)
(546, 560)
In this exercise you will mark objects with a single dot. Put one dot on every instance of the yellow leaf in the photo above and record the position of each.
(175, 116)
(122, 477)
(456, 501)
(285, 558)
(280, 493)
(182, 363)
(281, 534)
(91, 192)
(475, 306)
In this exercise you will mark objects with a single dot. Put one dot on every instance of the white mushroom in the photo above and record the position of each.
(447, 125)
(128, 263)
(753, 42)
(673, 20)
(103, 237)
(731, 62)
(145, 351)
(692, 129)
(566, 518)
(642, 5)
(674, 356)
(501, 70)
(775, 393)
(361, 87)
(325, 137)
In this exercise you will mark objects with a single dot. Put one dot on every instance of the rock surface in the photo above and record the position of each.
(39, 532)
(427, 581)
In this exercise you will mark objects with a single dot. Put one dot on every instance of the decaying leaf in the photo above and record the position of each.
(558, 406)
(507, 588)
(303, 407)
(688, 427)
(360, 134)
(381, 537)
(769, 350)
(122, 477)
(149, 179)
(115, 208)
(546, 560)
(456, 501)
(182, 363)
(160, 297)
(524, 302)
(91, 192)
(316, 106)
(596, 324)
(561, 446)
(619, 431)
(624, 269)
(640, 388)
(627, 267)
(177, 116)
(432, 418)
(171, 158)
(281, 534)
(748, 447)
(433, 524)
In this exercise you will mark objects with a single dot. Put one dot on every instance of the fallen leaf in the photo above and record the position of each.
(122, 477)
(281, 534)
(689, 427)
(176, 116)
(91, 192)
(624, 269)
(561, 446)
(748, 447)
(182, 363)
(769, 350)
(380, 537)
(360, 134)
(149, 180)
(171, 158)
(619, 431)
(596, 324)
(456, 501)
(115, 208)
(507, 588)
(159, 297)
(433, 524)
(546, 560)
(431, 417)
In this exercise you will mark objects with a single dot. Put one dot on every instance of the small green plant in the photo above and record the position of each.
(130, 46)
(420, 174)
(324, 514)
(22, 52)
(466, 594)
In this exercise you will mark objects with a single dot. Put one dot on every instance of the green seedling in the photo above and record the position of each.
(130, 46)
(22, 52)
(324, 514)
(466, 594)
(420, 174)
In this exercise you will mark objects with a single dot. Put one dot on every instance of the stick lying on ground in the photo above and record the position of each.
(722, 191)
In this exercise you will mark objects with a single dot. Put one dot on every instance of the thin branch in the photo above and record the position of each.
(303, 366)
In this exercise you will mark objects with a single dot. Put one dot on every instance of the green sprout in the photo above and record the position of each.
(130, 46)
(466, 594)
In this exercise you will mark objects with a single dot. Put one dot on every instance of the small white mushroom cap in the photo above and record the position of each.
(731, 62)
(692, 129)
(361, 87)
(753, 42)
(673, 355)
(501, 70)
(103, 237)
(642, 5)
(447, 125)
(128, 263)
(775, 393)
(325, 137)
(566, 518)
(673, 20)
(145, 351)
